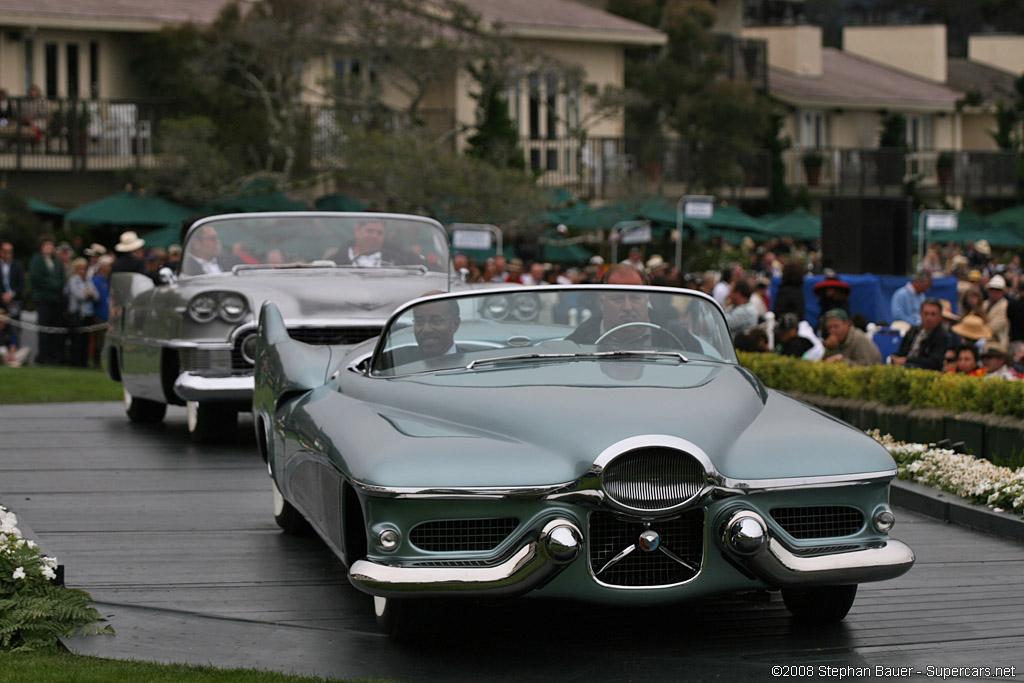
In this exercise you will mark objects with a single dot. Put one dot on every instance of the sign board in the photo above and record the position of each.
(696, 209)
(472, 239)
(639, 235)
(940, 221)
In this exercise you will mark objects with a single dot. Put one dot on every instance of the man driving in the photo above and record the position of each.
(434, 325)
(203, 253)
(367, 249)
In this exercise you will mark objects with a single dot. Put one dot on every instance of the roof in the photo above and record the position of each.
(552, 19)
(853, 82)
(993, 84)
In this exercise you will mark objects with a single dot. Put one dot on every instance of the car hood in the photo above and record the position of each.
(545, 425)
(326, 293)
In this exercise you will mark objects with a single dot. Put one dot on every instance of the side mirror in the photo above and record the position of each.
(167, 276)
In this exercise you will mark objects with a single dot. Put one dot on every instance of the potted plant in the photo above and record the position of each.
(944, 168)
(813, 161)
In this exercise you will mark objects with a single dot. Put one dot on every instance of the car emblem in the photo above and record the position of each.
(649, 540)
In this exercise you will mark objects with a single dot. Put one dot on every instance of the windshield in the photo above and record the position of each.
(546, 324)
(275, 240)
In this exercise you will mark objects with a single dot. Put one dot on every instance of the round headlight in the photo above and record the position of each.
(526, 307)
(497, 307)
(203, 308)
(389, 539)
(232, 308)
(884, 520)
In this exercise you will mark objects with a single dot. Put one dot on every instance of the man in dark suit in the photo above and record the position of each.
(203, 253)
(434, 325)
(924, 345)
(12, 286)
(367, 249)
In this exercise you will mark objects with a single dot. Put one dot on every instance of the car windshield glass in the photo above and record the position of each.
(352, 240)
(488, 329)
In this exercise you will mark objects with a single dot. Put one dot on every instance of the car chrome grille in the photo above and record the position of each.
(653, 478)
(455, 535)
(192, 360)
(826, 521)
(682, 537)
(326, 336)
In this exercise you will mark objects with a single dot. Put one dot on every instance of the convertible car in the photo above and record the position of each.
(191, 339)
(598, 443)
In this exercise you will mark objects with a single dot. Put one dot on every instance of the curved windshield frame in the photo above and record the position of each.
(488, 327)
(220, 244)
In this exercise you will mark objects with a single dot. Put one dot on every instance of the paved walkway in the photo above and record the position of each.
(177, 545)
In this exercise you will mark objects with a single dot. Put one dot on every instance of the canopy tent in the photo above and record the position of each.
(130, 208)
(798, 224)
(554, 248)
(36, 206)
(729, 223)
(162, 237)
(970, 228)
(340, 202)
(1012, 218)
(481, 255)
(266, 201)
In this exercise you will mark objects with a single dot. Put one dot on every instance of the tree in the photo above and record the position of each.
(496, 139)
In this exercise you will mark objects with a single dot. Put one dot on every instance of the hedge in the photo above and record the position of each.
(890, 385)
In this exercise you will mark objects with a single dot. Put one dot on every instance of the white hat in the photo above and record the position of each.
(982, 247)
(997, 282)
(129, 242)
(655, 262)
(596, 261)
(95, 249)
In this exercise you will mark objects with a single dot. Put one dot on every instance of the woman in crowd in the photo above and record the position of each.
(82, 297)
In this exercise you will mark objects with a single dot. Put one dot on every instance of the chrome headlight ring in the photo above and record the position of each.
(230, 307)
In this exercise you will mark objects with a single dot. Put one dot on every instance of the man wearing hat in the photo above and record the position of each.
(995, 310)
(130, 251)
(994, 359)
(846, 343)
(93, 253)
(924, 345)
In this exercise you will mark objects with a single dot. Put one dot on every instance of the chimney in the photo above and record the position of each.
(917, 50)
(796, 49)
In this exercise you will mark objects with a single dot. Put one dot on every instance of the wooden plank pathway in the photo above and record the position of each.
(177, 545)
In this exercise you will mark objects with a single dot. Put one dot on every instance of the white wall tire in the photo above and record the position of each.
(210, 421)
(143, 411)
(287, 517)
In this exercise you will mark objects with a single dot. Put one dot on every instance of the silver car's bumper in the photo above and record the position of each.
(533, 565)
(748, 540)
(193, 386)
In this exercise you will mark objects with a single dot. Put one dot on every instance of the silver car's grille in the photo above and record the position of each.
(677, 558)
(455, 535)
(653, 478)
(825, 521)
(192, 360)
(326, 336)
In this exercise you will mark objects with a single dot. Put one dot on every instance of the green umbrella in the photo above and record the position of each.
(798, 224)
(971, 227)
(129, 208)
(340, 202)
(729, 223)
(163, 237)
(554, 250)
(36, 206)
(1011, 219)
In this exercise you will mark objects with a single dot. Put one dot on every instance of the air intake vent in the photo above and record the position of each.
(328, 336)
(826, 521)
(654, 478)
(456, 535)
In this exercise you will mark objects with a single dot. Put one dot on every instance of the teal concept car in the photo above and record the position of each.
(596, 443)
(188, 335)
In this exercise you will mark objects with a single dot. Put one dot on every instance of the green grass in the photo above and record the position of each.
(39, 667)
(52, 384)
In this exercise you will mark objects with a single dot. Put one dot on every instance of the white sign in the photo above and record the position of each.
(698, 209)
(639, 235)
(471, 239)
(940, 221)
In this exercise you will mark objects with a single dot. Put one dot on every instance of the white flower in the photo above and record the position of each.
(19, 573)
(49, 573)
(50, 562)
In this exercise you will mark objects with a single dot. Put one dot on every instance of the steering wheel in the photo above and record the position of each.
(639, 323)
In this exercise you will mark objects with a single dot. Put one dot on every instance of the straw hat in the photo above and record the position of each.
(947, 311)
(982, 247)
(655, 262)
(129, 242)
(974, 328)
(974, 275)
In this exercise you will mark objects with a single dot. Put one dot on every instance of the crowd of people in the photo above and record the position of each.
(981, 333)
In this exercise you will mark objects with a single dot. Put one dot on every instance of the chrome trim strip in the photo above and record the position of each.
(192, 386)
(577, 487)
(527, 569)
(176, 344)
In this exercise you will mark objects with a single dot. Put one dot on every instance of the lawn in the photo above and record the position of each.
(38, 667)
(54, 384)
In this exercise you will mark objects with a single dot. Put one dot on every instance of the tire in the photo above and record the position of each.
(211, 422)
(290, 520)
(819, 604)
(402, 620)
(143, 411)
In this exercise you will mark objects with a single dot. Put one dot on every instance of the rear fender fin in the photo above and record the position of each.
(285, 368)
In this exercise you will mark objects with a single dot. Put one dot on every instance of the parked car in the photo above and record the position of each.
(592, 442)
(191, 339)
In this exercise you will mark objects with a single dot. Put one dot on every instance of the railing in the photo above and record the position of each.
(746, 59)
(77, 135)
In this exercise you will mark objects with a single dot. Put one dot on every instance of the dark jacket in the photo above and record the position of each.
(930, 353)
(388, 257)
(129, 263)
(789, 299)
(17, 280)
(47, 284)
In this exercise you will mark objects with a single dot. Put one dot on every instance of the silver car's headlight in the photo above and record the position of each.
(526, 306)
(496, 307)
(203, 308)
(232, 308)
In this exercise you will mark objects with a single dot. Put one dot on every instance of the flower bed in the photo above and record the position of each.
(33, 611)
(971, 478)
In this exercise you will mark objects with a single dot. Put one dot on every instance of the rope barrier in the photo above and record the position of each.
(49, 329)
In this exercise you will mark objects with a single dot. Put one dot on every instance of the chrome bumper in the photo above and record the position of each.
(533, 565)
(192, 386)
(746, 536)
